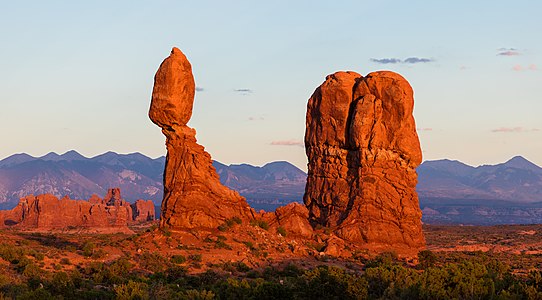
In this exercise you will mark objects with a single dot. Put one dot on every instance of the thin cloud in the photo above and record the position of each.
(243, 91)
(256, 118)
(509, 53)
(425, 129)
(514, 130)
(386, 61)
(409, 60)
(533, 67)
(417, 60)
(199, 89)
(517, 68)
(287, 143)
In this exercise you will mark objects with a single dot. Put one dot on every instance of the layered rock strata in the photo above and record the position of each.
(363, 151)
(193, 194)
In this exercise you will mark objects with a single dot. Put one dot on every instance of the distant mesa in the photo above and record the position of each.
(48, 213)
(363, 151)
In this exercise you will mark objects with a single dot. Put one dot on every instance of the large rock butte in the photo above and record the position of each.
(193, 194)
(363, 151)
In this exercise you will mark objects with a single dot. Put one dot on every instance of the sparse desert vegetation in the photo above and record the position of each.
(151, 265)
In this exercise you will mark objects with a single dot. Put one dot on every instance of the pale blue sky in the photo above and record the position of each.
(78, 74)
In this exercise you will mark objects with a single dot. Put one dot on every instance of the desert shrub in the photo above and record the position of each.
(166, 231)
(62, 283)
(10, 253)
(39, 293)
(249, 245)
(65, 261)
(333, 283)
(260, 223)
(153, 262)
(88, 248)
(222, 245)
(178, 259)
(99, 253)
(427, 259)
(195, 257)
(282, 231)
(132, 290)
(198, 295)
(229, 223)
(383, 259)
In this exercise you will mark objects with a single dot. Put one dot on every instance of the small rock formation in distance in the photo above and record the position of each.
(193, 194)
(48, 213)
(363, 151)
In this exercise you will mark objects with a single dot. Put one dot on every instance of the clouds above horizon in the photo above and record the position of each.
(243, 91)
(408, 60)
(518, 129)
(424, 129)
(287, 143)
(508, 52)
(199, 89)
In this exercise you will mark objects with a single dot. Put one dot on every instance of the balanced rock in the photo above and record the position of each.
(363, 151)
(193, 194)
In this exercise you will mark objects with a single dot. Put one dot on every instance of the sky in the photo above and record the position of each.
(79, 74)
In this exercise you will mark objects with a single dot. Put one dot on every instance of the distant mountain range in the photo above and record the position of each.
(138, 176)
(450, 191)
(516, 180)
(72, 174)
(507, 193)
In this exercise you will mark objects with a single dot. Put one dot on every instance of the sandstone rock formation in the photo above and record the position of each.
(294, 218)
(143, 211)
(193, 194)
(363, 150)
(46, 212)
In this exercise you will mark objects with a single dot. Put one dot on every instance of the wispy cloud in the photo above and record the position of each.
(518, 129)
(256, 118)
(508, 52)
(288, 143)
(425, 129)
(199, 89)
(408, 60)
(386, 60)
(417, 60)
(243, 91)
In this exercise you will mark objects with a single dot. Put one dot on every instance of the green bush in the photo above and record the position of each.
(282, 231)
(132, 290)
(178, 259)
(260, 223)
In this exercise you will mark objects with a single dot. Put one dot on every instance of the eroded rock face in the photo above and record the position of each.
(363, 150)
(293, 218)
(46, 212)
(193, 194)
(143, 211)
